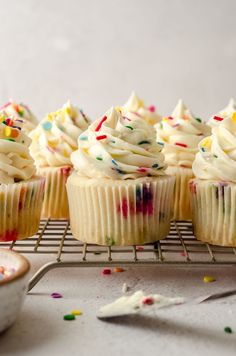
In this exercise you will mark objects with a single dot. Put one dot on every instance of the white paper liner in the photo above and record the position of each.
(55, 203)
(214, 211)
(20, 208)
(112, 212)
(181, 202)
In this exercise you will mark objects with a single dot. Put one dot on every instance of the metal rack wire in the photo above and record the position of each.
(179, 248)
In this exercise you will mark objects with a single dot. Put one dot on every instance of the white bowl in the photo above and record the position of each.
(12, 288)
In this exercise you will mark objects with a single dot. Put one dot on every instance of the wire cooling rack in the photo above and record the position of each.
(179, 248)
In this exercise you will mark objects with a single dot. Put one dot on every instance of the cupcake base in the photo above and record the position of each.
(115, 212)
(181, 202)
(214, 211)
(55, 203)
(20, 209)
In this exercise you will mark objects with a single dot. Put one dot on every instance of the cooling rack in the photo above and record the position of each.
(179, 248)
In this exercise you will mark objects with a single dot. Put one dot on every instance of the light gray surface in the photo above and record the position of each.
(184, 330)
(96, 52)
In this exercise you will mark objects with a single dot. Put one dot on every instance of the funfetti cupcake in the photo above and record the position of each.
(53, 141)
(135, 107)
(21, 192)
(213, 192)
(225, 113)
(119, 193)
(21, 112)
(180, 133)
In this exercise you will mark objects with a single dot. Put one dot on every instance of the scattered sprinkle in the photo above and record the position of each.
(106, 271)
(69, 317)
(119, 269)
(56, 295)
(217, 118)
(209, 279)
(100, 123)
(76, 312)
(228, 330)
(148, 301)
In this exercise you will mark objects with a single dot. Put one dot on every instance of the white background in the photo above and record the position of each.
(96, 52)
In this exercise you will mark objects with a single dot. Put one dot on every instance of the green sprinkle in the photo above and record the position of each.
(69, 317)
(9, 139)
(143, 142)
(198, 119)
(99, 158)
(21, 113)
(215, 156)
(129, 127)
(161, 125)
(228, 330)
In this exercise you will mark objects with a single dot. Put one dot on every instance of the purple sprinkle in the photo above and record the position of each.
(56, 295)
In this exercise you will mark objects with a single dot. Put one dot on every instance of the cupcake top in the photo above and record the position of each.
(16, 164)
(55, 137)
(22, 112)
(216, 158)
(117, 147)
(135, 107)
(225, 113)
(180, 133)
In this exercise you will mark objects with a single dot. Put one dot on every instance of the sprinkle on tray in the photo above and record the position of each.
(106, 271)
(69, 317)
(119, 269)
(76, 312)
(209, 279)
(228, 330)
(56, 295)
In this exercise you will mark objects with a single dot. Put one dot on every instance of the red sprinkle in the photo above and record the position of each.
(106, 271)
(56, 295)
(152, 108)
(141, 170)
(100, 123)
(180, 144)
(170, 118)
(217, 118)
(9, 122)
(148, 301)
(101, 137)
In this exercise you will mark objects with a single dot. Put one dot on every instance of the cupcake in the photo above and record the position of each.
(180, 133)
(213, 191)
(225, 113)
(136, 107)
(118, 193)
(53, 141)
(21, 192)
(20, 112)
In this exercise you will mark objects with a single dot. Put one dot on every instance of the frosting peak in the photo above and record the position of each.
(216, 158)
(16, 164)
(223, 114)
(117, 147)
(55, 137)
(181, 133)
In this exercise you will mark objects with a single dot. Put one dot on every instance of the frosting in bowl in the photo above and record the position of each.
(216, 158)
(16, 164)
(225, 113)
(180, 133)
(117, 147)
(135, 107)
(22, 112)
(55, 137)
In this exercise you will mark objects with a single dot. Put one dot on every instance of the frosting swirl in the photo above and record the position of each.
(16, 164)
(180, 133)
(225, 113)
(55, 137)
(135, 107)
(216, 158)
(117, 147)
(22, 112)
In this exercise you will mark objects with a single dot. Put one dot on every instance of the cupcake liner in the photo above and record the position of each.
(20, 209)
(181, 202)
(112, 212)
(55, 203)
(214, 212)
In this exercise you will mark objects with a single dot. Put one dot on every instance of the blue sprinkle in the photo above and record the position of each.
(114, 162)
(47, 125)
(83, 138)
(160, 143)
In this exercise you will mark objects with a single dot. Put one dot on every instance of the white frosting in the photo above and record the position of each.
(225, 113)
(181, 132)
(16, 164)
(22, 112)
(118, 148)
(55, 137)
(135, 107)
(216, 159)
(137, 303)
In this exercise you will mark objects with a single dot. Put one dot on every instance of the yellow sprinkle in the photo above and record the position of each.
(209, 279)
(151, 121)
(7, 131)
(68, 111)
(206, 142)
(50, 117)
(165, 118)
(66, 154)
(52, 144)
(76, 312)
(233, 117)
